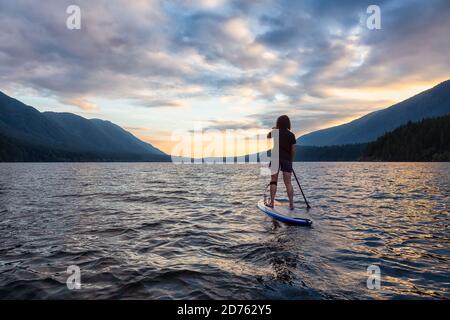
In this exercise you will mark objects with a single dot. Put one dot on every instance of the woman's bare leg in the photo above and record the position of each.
(289, 188)
(273, 188)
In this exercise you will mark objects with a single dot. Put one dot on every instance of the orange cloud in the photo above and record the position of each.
(81, 103)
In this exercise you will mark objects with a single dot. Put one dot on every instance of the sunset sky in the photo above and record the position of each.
(158, 67)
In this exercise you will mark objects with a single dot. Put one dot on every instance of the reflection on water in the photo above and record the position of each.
(162, 231)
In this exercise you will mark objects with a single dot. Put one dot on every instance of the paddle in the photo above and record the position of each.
(306, 201)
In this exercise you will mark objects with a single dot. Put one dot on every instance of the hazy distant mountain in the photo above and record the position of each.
(66, 133)
(430, 103)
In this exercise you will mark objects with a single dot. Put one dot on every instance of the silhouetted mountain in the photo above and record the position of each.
(430, 103)
(347, 152)
(427, 140)
(66, 133)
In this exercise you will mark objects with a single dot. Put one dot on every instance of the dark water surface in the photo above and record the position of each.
(163, 231)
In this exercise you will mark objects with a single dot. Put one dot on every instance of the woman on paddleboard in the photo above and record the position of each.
(284, 146)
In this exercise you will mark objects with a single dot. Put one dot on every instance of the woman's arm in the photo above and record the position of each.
(269, 135)
(293, 152)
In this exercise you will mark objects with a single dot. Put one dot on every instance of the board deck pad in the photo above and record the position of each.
(281, 212)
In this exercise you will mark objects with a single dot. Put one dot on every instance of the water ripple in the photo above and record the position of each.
(162, 231)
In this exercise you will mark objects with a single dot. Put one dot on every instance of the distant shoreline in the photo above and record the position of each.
(225, 163)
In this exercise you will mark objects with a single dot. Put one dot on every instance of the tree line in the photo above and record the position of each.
(427, 140)
(13, 150)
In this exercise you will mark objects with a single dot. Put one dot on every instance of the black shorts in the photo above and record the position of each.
(285, 166)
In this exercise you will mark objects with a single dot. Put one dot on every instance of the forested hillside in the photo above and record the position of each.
(427, 140)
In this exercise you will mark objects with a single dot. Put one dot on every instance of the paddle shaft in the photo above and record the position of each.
(306, 201)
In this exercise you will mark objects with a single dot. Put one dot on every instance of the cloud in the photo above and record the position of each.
(222, 125)
(223, 40)
(162, 103)
(81, 103)
(271, 56)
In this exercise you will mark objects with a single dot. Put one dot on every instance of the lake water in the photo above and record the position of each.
(164, 231)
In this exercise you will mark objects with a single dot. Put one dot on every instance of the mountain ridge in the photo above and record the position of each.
(68, 133)
(430, 103)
